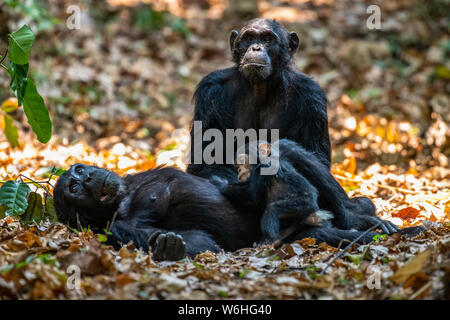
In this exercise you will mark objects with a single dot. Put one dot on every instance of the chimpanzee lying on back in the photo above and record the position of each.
(170, 211)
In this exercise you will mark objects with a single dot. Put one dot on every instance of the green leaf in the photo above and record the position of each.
(19, 80)
(37, 113)
(35, 210)
(379, 237)
(442, 72)
(14, 196)
(11, 132)
(50, 211)
(102, 238)
(198, 266)
(20, 43)
(57, 171)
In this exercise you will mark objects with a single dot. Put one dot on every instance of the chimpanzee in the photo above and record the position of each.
(264, 91)
(170, 211)
(288, 200)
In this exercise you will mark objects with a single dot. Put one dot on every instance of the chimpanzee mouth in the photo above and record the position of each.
(255, 64)
(106, 192)
(104, 195)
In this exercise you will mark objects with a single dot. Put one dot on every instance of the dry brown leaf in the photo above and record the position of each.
(416, 281)
(413, 266)
(124, 253)
(406, 213)
(124, 279)
(306, 242)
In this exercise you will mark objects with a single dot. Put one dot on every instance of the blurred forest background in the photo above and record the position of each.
(119, 89)
(127, 76)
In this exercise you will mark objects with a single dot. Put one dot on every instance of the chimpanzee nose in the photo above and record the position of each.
(256, 48)
(88, 177)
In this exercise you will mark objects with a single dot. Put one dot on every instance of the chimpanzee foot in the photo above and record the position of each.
(167, 246)
(366, 222)
(412, 231)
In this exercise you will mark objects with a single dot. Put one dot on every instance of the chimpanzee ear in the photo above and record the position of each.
(293, 42)
(233, 37)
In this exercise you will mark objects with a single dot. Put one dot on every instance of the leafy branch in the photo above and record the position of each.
(24, 89)
(17, 199)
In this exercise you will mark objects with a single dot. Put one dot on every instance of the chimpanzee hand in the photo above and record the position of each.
(219, 182)
(366, 222)
(167, 246)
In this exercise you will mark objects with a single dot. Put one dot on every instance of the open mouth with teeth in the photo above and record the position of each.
(106, 192)
(104, 195)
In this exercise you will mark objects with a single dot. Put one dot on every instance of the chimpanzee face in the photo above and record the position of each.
(261, 48)
(90, 191)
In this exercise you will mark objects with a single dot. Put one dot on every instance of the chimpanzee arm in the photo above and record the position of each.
(238, 193)
(310, 129)
(210, 111)
(123, 232)
(250, 193)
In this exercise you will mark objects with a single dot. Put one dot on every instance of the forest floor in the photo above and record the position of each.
(120, 98)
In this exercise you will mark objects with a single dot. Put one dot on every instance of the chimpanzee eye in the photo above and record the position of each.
(73, 187)
(249, 37)
(267, 38)
(79, 169)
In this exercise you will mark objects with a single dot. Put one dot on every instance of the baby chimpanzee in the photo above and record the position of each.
(289, 202)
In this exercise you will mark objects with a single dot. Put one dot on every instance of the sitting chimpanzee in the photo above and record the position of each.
(284, 196)
(170, 211)
(264, 91)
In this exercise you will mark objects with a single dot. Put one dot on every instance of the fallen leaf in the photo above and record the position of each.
(306, 242)
(413, 266)
(406, 213)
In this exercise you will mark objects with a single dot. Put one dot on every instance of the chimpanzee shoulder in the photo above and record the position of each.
(306, 92)
(212, 95)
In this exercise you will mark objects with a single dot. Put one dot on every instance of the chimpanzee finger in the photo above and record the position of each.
(384, 228)
(392, 227)
(175, 247)
(159, 253)
(397, 228)
(152, 239)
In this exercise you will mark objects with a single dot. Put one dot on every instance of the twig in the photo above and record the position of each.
(4, 57)
(337, 249)
(36, 182)
(421, 290)
(109, 225)
(349, 245)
